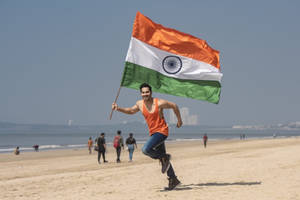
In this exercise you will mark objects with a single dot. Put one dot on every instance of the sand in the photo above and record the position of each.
(266, 169)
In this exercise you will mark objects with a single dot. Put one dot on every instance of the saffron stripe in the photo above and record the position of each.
(174, 41)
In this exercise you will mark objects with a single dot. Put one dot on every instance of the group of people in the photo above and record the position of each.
(17, 149)
(118, 143)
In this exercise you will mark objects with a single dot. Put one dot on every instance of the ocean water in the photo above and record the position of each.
(68, 140)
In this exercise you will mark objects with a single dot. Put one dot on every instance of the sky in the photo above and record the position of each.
(63, 60)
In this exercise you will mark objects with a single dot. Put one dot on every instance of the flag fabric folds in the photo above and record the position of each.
(172, 62)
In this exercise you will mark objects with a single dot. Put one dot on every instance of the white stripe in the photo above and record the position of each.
(151, 57)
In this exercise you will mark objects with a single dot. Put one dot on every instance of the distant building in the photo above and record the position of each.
(187, 119)
(185, 115)
(193, 120)
(70, 122)
(172, 117)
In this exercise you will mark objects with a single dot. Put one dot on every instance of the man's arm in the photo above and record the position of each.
(135, 143)
(170, 105)
(134, 109)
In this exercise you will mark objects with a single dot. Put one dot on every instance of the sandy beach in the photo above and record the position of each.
(267, 169)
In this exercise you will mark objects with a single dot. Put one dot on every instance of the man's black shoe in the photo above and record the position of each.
(165, 163)
(173, 182)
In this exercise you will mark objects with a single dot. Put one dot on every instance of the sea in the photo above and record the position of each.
(62, 139)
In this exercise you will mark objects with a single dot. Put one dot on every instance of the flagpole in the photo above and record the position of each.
(115, 102)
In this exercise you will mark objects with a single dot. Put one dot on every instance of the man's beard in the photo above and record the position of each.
(146, 98)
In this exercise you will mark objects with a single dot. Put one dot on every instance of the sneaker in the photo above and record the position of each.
(173, 182)
(165, 163)
(105, 161)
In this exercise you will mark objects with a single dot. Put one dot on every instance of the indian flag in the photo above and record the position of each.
(172, 62)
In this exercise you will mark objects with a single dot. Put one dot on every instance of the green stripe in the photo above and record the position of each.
(134, 75)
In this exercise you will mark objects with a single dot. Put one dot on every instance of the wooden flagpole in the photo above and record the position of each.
(115, 102)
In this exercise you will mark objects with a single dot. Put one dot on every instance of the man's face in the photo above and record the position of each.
(145, 93)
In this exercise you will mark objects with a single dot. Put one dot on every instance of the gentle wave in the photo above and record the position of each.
(7, 144)
(186, 139)
(6, 150)
(50, 146)
(44, 147)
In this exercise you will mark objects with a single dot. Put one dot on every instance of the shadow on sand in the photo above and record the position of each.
(200, 185)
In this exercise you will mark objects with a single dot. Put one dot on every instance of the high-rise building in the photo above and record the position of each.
(185, 115)
(193, 120)
(187, 119)
(70, 122)
(172, 117)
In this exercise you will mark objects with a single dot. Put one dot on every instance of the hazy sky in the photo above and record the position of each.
(63, 60)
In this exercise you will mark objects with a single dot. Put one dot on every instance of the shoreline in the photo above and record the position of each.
(55, 147)
(61, 152)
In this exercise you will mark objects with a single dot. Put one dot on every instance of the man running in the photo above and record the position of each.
(152, 109)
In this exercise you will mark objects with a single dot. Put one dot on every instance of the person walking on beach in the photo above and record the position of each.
(130, 143)
(90, 145)
(36, 147)
(17, 151)
(152, 109)
(101, 144)
(205, 140)
(118, 143)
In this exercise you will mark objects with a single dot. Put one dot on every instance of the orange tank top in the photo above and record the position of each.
(154, 121)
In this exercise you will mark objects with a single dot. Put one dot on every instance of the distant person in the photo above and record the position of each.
(17, 151)
(101, 147)
(90, 145)
(131, 143)
(36, 147)
(118, 143)
(205, 138)
(152, 109)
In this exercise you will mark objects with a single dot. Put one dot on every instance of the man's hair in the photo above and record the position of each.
(145, 85)
(119, 132)
(102, 133)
